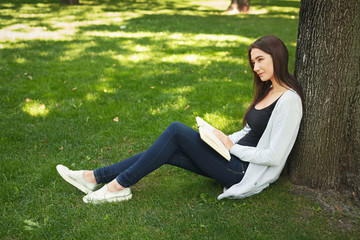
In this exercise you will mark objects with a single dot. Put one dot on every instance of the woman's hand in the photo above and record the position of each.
(223, 138)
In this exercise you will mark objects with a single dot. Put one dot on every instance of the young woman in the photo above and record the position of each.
(258, 152)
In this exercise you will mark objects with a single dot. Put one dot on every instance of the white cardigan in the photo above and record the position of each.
(268, 158)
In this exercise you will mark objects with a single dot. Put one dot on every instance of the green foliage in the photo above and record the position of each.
(89, 85)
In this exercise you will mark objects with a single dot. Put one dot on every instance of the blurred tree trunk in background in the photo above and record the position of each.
(238, 6)
(327, 152)
(70, 2)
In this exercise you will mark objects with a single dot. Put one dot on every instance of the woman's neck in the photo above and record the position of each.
(278, 88)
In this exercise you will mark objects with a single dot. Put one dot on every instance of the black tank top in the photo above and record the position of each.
(257, 121)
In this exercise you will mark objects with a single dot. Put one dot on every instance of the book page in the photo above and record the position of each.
(208, 136)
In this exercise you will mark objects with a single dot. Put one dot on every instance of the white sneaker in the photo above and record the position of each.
(75, 178)
(103, 195)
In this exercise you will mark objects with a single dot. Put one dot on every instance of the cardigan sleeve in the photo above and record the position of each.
(235, 137)
(282, 136)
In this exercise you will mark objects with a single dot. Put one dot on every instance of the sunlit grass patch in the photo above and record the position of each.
(35, 108)
(91, 97)
(217, 119)
(180, 90)
(179, 104)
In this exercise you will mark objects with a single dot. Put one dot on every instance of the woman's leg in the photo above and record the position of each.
(179, 137)
(109, 173)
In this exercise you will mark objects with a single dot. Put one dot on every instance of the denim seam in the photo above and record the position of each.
(236, 172)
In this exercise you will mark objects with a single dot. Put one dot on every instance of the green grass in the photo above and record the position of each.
(66, 72)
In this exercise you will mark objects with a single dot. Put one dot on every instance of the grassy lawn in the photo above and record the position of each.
(89, 85)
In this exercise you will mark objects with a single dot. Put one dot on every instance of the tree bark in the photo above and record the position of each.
(238, 6)
(327, 152)
(70, 2)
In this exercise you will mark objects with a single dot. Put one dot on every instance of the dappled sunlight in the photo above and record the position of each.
(279, 9)
(287, 16)
(23, 32)
(139, 48)
(180, 90)
(65, 22)
(257, 11)
(180, 104)
(103, 88)
(50, 26)
(103, 80)
(142, 53)
(135, 58)
(218, 120)
(118, 34)
(91, 97)
(72, 52)
(35, 108)
(290, 13)
(20, 60)
(223, 39)
(107, 52)
(106, 90)
(177, 39)
(194, 59)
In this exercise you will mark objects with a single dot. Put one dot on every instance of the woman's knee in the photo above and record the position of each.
(175, 125)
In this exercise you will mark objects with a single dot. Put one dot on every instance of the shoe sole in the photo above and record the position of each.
(71, 181)
(115, 199)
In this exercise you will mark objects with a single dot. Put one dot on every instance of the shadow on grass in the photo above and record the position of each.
(147, 91)
(86, 81)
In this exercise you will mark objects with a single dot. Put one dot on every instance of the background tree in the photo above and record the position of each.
(70, 2)
(327, 153)
(238, 6)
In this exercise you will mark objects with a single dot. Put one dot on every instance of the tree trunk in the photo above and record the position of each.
(238, 6)
(70, 2)
(327, 152)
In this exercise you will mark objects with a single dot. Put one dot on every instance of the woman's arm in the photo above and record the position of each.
(224, 139)
(230, 140)
(235, 137)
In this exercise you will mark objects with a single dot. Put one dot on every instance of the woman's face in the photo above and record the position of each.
(263, 64)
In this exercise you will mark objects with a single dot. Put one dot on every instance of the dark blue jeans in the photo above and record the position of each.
(181, 146)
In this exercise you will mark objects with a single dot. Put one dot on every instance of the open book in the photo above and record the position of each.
(211, 139)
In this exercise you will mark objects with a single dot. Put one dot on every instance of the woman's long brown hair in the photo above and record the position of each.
(276, 48)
